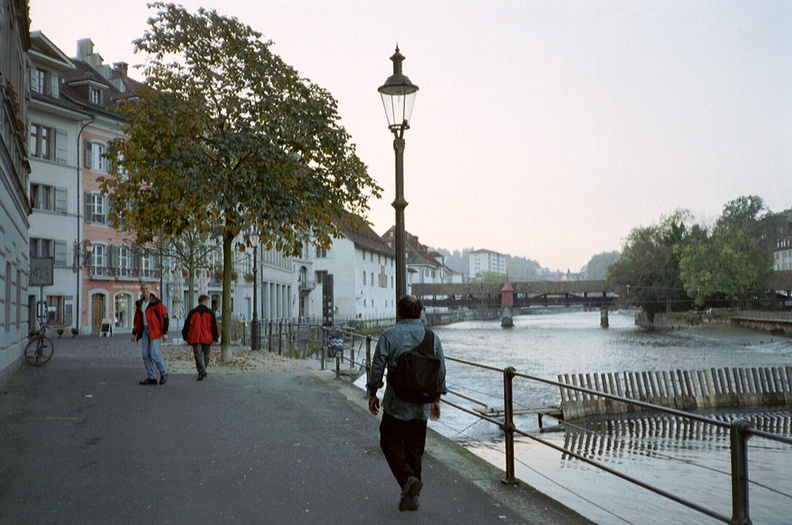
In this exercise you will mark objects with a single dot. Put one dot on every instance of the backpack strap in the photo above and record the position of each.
(426, 346)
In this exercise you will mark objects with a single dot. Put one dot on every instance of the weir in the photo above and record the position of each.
(680, 389)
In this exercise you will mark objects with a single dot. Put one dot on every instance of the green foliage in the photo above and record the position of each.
(597, 267)
(649, 265)
(226, 135)
(735, 260)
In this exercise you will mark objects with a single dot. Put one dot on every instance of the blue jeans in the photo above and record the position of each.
(152, 357)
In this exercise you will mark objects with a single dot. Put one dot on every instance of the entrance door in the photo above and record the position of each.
(97, 312)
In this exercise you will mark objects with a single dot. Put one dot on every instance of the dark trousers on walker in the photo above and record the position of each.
(403, 444)
(201, 353)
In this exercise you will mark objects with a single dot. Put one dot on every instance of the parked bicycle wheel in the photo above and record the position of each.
(39, 350)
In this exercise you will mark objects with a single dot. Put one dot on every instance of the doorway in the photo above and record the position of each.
(97, 312)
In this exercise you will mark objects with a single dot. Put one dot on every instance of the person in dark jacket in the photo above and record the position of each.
(200, 331)
(151, 325)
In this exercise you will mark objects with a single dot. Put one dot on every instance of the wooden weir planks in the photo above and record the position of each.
(679, 389)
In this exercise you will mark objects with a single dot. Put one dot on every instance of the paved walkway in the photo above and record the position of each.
(83, 443)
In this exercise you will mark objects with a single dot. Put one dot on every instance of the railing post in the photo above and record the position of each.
(280, 337)
(508, 424)
(368, 358)
(739, 435)
(323, 346)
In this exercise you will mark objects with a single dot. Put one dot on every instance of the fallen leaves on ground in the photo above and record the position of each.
(180, 359)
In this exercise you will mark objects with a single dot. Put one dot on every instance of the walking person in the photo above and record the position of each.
(151, 325)
(200, 331)
(403, 426)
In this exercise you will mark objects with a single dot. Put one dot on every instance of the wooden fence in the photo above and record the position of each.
(680, 389)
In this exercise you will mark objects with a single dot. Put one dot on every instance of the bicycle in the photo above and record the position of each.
(40, 348)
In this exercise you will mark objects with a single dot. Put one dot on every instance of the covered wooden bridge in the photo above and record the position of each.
(592, 294)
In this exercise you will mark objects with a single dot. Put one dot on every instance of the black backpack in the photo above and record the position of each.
(415, 378)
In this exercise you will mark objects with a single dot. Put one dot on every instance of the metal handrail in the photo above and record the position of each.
(740, 431)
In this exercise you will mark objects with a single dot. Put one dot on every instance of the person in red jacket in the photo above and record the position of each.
(151, 325)
(200, 331)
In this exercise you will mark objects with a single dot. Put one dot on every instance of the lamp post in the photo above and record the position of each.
(254, 327)
(82, 255)
(398, 97)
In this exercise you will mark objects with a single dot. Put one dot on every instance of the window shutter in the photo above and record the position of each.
(88, 155)
(60, 253)
(113, 255)
(87, 207)
(108, 210)
(61, 141)
(54, 91)
(61, 202)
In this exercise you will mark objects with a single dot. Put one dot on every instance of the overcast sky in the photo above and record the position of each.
(542, 129)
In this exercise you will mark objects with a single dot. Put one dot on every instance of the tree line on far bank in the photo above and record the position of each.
(679, 264)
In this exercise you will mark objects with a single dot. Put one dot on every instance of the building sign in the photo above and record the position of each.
(41, 271)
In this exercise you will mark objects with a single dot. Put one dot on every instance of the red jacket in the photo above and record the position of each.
(200, 326)
(156, 316)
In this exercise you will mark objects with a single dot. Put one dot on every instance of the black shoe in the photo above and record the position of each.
(163, 379)
(201, 376)
(148, 381)
(410, 490)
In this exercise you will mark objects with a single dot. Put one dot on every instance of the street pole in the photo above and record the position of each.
(399, 204)
(254, 329)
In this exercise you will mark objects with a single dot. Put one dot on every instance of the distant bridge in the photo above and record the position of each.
(591, 294)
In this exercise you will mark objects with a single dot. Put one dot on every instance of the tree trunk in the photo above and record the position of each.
(225, 336)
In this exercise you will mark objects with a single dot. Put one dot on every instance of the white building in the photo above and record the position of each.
(55, 125)
(484, 261)
(14, 170)
(363, 272)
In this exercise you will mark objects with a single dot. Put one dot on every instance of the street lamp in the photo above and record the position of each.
(82, 256)
(398, 97)
(254, 327)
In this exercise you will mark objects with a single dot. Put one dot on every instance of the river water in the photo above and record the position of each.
(690, 461)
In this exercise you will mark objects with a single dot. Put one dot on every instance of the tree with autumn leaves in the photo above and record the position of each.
(226, 137)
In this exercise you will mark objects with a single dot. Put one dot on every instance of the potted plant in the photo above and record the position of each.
(60, 332)
(74, 332)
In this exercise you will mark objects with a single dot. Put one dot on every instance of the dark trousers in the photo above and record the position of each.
(201, 353)
(403, 444)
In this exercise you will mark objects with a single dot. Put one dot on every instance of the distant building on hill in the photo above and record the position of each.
(485, 261)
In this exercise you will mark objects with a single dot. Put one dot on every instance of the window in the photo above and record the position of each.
(96, 208)
(95, 158)
(124, 261)
(38, 81)
(372, 278)
(47, 143)
(43, 82)
(145, 265)
(363, 252)
(41, 248)
(364, 277)
(95, 95)
(321, 253)
(55, 309)
(41, 142)
(48, 198)
(99, 258)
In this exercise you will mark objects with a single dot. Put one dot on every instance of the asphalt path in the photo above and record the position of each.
(82, 442)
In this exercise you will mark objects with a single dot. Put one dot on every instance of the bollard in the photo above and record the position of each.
(508, 425)
(739, 435)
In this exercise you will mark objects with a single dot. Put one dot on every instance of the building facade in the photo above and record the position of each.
(14, 173)
(486, 261)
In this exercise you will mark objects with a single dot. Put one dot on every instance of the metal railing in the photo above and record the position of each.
(740, 430)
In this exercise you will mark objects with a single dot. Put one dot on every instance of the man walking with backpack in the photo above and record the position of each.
(403, 426)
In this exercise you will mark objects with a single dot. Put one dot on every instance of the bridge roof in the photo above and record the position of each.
(528, 287)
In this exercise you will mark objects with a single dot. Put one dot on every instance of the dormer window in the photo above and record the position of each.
(43, 82)
(95, 95)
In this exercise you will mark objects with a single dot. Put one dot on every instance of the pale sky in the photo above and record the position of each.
(542, 129)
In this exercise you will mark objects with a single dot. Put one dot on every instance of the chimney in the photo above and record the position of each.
(84, 48)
